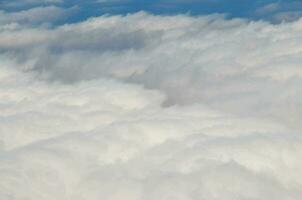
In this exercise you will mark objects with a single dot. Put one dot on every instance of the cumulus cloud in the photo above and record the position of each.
(151, 107)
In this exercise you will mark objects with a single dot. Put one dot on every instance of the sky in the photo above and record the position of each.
(150, 100)
(275, 11)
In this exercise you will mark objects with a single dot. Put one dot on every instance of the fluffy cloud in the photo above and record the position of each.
(151, 107)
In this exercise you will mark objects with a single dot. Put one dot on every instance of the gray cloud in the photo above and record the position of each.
(279, 12)
(22, 3)
(180, 56)
(35, 16)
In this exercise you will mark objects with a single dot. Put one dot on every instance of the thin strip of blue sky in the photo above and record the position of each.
(251, 9)
(271, 10)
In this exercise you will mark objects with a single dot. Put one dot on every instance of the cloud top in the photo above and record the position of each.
(150, 107)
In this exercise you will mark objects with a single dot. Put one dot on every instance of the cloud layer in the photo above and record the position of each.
(151, 107)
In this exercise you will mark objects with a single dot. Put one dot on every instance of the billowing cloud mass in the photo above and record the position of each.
(144, 107)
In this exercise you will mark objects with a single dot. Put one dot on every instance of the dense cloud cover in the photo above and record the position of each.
(150, 107)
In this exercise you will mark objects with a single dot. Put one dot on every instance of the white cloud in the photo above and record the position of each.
(78, 119)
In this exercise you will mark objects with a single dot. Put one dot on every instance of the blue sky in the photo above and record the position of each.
(270, 10)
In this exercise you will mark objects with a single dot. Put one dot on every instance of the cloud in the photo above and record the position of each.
(151, 107)
(178, 55)
(280, 11)
(35, 16)
(287, 16)
(22, 3)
